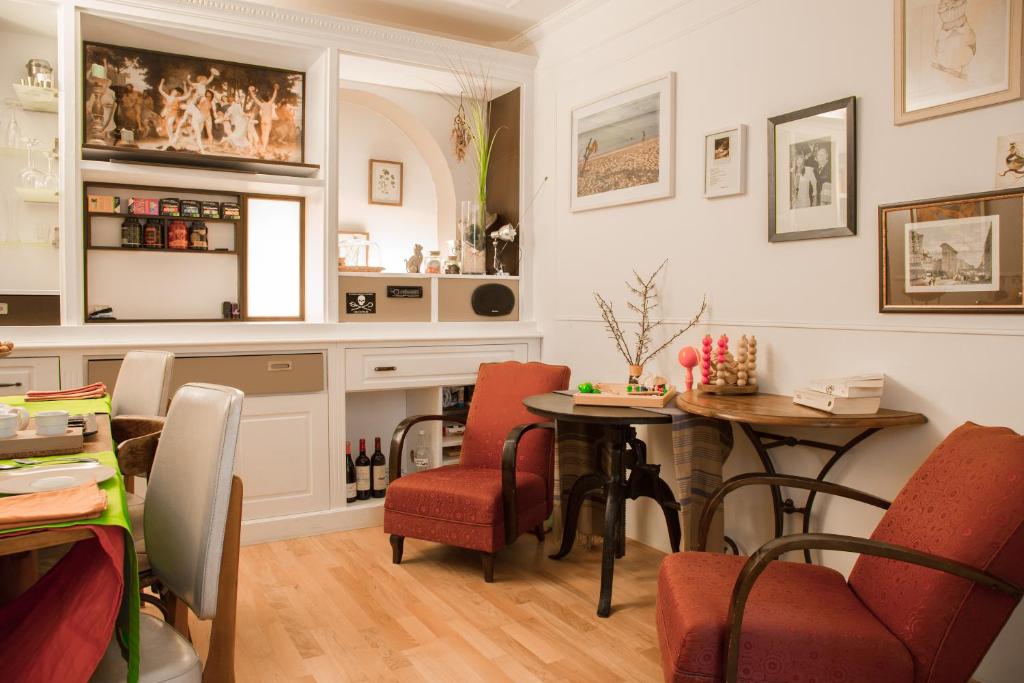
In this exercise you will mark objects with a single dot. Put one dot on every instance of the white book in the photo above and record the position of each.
(837, 405)
(855, 386)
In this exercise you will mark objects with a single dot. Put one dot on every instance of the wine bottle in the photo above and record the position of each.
(362, 473)
(379, 465)
(350, 474)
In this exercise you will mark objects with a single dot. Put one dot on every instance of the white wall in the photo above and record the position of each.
(812, 304)
(365, 134)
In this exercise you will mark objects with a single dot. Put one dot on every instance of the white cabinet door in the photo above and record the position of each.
(283, 455)
(18, 375)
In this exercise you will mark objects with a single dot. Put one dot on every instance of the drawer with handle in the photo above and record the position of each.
(422, 366)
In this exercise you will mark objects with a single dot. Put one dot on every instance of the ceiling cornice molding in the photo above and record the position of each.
(327, 31)
(529, 37)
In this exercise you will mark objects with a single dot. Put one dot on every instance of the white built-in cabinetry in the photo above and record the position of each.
(18, 375)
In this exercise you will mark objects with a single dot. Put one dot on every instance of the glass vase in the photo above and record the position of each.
(474, 240)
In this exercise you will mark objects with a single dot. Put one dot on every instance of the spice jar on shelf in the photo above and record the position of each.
(198, 236)
(433, 263)
(153, 234)
(131, 233)
(177, 235)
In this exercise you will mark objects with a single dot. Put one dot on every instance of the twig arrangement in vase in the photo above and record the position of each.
(646, 294)
(472, 125)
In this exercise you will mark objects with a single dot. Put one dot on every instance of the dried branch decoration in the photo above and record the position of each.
(646, 294)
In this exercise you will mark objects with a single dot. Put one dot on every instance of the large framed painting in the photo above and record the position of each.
(962, 254)
(812, 172)
(955, 55)
(623, 146)
(154, 102)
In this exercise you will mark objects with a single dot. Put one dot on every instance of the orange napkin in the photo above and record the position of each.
(94, 390)
(66, 505)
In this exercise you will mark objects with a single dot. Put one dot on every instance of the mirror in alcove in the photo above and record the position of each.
(403, 114)
(29, 178)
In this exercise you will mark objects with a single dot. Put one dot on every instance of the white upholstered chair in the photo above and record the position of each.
(192, 522)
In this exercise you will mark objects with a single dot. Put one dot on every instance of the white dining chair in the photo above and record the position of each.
(192, 522)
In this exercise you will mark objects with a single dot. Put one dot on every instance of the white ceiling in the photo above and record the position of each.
(481, 21)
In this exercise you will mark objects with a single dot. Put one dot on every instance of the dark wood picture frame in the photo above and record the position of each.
(401, 182)
(849, 104)
(1008, 204)
(92, 150)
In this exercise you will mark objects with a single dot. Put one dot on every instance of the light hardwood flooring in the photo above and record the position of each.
(333, 608)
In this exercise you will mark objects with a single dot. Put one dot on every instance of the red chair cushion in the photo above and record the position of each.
(497, 407)
(460, 506)
(802, 623)
(966, 502)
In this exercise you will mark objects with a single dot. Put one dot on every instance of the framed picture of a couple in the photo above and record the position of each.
(812, 161)
(157, 102)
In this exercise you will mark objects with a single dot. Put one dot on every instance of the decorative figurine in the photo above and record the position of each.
(688, 358)
(413, 263)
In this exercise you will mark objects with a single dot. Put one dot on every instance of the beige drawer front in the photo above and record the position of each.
(426, 366)
(18, 375)
(258, 375)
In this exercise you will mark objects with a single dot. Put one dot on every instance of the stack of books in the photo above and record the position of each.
(854, 395)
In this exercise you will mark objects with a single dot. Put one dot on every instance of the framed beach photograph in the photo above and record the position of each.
(955, 55)
(1010, 161)
(725, 162)
(386, 182)
(159, 104)
(812, 176)
(623, 146)
(961, 254)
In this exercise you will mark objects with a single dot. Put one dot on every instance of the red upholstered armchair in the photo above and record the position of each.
(929, 594)
(504, 481)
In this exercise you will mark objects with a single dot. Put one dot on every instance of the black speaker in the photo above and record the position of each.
(493, 300)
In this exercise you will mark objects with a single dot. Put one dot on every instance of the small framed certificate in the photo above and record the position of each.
(725, 162)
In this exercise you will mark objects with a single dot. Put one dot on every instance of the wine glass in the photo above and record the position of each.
(51, 180)
(13, 138)
(31, 177)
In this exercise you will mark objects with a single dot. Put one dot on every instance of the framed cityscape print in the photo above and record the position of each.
(623, 146)
(961, 254)
(812, 172)
(386, 182)
(725, 162)
(955, 55)
(155, 103)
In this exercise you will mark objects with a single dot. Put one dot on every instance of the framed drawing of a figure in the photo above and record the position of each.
(962, 254)
(812, 172)
(955, 55)
(623, 146)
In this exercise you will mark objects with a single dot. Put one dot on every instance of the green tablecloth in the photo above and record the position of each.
(116, 514)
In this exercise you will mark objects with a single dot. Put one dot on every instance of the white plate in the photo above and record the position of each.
(53, 477)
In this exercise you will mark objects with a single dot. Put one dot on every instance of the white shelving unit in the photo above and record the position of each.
(38, 195)
(35, 98)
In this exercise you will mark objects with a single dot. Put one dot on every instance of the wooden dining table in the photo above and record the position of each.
(102, 537)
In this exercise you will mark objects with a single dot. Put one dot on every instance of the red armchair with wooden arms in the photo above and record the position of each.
(504, 482)
(931, 590)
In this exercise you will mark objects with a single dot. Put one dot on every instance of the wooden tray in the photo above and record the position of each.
(27, 443)
(615, 395)
(727, 389)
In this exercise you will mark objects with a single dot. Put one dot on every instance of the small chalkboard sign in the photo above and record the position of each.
(360, 303)
(404, 292)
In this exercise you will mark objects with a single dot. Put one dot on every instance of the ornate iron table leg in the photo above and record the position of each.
(612, 521)
(583, 485)
(769, 468)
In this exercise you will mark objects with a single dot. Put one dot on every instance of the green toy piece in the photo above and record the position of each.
(586, 388)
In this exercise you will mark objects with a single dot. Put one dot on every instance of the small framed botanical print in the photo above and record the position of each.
(386, 182)
(725, 161)
(961, 254)
(955, 55)
(812, 172)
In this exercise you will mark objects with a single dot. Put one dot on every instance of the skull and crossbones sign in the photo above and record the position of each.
(361, 305)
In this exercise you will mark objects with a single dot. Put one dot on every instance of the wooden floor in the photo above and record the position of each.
(333, 608)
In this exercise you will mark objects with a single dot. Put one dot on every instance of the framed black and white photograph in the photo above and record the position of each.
(1010, 160)
(812, 179)
(623, 146)
(961, 254)
(386, 179)
(955, 55)
(725, 162)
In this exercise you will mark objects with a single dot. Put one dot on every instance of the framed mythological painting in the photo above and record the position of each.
(725, 162)
(812, 172)
(159, 104)
(386, 182)
(961, 254)
(623, 146)
(955, 55)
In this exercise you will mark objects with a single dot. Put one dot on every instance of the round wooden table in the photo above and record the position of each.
(763, 410)
(625, 451)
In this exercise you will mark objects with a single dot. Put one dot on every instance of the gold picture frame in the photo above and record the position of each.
(940, 75)
(386, 183)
